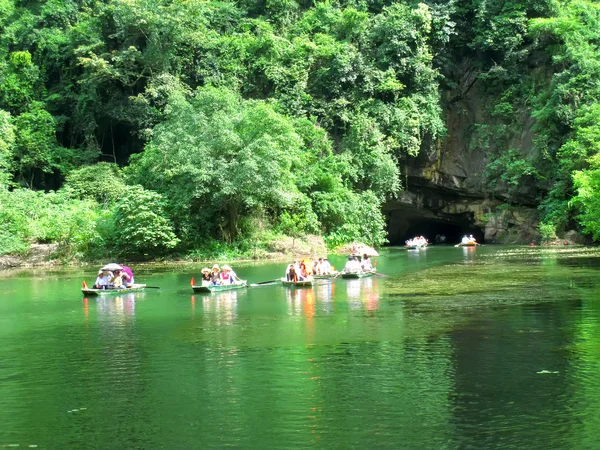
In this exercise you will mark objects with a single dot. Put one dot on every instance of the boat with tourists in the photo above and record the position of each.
(107, 291)
(220, 288)
(358, 267)
(218, 280)
(113, 279)
(359, 274)
(467, 242)
(417, 243)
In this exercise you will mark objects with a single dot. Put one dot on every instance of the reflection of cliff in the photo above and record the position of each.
(508, 366)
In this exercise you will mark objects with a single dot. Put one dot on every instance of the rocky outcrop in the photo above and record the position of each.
(38, 255)
(447, 190)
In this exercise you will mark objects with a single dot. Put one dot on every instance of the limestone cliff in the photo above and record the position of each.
(446, 188)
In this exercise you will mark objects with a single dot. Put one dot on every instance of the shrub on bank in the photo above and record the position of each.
(35, 217)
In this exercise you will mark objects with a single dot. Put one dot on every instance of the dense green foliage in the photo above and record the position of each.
(240, 119)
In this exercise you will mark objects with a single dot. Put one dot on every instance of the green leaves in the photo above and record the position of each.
(141, 227)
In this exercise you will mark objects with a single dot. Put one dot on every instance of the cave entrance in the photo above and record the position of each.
(430, 229)
(400, 230)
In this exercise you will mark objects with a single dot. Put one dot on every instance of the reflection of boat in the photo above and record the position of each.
(360, 274)
(324, 277)
(224, 287)
(133, 288)
(304, 283)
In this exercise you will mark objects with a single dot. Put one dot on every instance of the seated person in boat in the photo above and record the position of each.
(465, 240)
(316, 269)
(326, 267)
(308, 266)
(293, 271)
(126, 279)
(127, 275)
(352, 265)
(366, 263)
(232, 275)
(206, 277)
(291, 274)
(303, 275)
(215, 278)
(226, 277)
(117, 280)
(103, 279)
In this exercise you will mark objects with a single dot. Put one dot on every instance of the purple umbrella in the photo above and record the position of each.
(128, 271)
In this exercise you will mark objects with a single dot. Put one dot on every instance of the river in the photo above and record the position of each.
(455, 348)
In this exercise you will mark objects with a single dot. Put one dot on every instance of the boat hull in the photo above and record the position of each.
(225, 287)
(325, 277)
(300, 284)
(358, 274)
(102, 292)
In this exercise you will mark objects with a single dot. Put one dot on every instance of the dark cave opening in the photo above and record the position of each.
(402, 229)
(430, 229)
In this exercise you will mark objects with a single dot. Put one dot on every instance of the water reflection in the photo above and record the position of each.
(117, 307)
(222, 305)
(363, 292)
(324, 292)
(468, 254)
(300, 302)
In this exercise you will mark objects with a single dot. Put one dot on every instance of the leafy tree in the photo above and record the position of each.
(232, 156)
(587, 185)
(7, 138)
(35, 149)
(101, 182)
(141, 227)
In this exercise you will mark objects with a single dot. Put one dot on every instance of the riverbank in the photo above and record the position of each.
(284, 247)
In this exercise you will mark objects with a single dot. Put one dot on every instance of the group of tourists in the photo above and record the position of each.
(468, 240)
(418, 241)
(219, 276)
(303, 270)
(357, 264)
(117, 278)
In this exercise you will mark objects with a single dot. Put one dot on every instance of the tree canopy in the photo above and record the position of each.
(291, 116)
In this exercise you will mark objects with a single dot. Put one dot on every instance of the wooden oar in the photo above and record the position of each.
(153, 287)
(266, 282)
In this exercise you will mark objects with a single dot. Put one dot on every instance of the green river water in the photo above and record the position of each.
(475, 348)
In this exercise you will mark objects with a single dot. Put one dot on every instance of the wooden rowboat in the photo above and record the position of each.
(305, 283)
(467, 244)
(133, 288)
(416, 247)
(220, 288)
(360, 274)
(325, 277)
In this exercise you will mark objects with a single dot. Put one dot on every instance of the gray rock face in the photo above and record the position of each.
(447, 189)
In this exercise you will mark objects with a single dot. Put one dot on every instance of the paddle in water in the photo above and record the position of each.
(376, 273)
(276, 280)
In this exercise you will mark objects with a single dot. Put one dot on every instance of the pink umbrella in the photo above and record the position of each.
(128, 271)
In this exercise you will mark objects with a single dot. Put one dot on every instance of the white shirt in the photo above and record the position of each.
(103, 280)
(352, 266)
